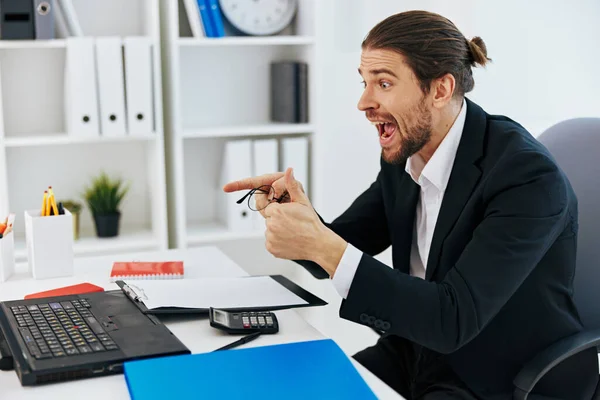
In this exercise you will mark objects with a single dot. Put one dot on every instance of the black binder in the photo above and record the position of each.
(289, 92)
(17, 19)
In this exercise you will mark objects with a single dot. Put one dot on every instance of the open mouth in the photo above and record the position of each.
(385, 129)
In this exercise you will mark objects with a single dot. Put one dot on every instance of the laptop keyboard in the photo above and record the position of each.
(61, 329)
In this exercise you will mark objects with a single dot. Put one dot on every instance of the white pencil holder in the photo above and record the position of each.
(7, 256)
(49, 243)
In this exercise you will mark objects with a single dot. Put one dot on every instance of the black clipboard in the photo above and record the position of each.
(311, 300)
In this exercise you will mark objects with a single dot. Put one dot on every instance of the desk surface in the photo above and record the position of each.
(195, 332)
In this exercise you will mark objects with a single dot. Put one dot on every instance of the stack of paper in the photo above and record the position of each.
(240, 292)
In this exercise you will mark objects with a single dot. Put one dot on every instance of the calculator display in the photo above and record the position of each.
(221, 317)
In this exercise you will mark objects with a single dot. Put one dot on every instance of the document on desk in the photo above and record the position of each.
(261, 292)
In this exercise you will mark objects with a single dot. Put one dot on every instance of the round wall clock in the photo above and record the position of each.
(259, 17)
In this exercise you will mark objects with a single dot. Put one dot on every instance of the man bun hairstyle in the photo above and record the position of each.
(478, 51)
(432, 46)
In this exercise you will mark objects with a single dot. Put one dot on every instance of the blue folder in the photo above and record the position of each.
(305, 370)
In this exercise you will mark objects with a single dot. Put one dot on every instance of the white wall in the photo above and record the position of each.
(545, 61)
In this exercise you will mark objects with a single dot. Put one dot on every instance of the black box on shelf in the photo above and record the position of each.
(289, 91)
(16, 19)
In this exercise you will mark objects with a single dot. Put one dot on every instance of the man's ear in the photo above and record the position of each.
(442, 90)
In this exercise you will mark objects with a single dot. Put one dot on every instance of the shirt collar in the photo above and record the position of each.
(437, 170)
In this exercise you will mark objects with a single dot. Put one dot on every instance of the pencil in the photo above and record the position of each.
(52, 201)
(43, 212)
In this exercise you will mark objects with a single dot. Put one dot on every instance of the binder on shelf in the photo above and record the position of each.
(302, 93)
(62, 28)
(209, 28)
(193, 15)
(289, 91)
(295, 154)
(81, 96)
(67, 12)
(139, 85)
(17, 20)
(265, 157)
(111, 89)
(43, 19)
(216, 17)
(236, 164)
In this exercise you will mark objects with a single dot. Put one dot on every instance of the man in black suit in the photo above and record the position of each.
(482, 224)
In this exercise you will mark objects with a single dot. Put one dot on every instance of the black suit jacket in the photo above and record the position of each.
(499, 278)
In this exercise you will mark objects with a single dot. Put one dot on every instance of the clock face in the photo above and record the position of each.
(259, 17)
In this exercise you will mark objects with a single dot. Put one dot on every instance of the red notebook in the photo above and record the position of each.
(67, 290)
(130, 270)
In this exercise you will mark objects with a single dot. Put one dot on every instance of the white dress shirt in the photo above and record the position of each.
(433, 178)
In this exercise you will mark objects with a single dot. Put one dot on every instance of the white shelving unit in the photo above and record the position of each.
(37, 151)
(217, 89)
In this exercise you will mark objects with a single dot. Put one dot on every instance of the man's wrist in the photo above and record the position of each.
(330, 250)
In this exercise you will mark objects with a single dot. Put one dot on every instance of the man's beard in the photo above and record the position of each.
(417, 135)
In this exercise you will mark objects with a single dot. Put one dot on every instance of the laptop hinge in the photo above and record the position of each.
(6, 358)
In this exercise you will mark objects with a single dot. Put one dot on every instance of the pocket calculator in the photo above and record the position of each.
(243, 321)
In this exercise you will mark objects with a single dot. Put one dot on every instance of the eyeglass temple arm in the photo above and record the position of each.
(244, 198)
(240, 201)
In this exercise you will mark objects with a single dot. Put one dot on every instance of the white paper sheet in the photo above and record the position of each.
(254, 291)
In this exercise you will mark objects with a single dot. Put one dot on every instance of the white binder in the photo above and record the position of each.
(295, 155)
(111, 89)
(138, 85)
(81, 104)
(265, 159)
(193, 15)
(69, 16)
(237, 164)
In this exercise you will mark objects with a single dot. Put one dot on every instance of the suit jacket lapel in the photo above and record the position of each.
(463, 179)
(405, 209)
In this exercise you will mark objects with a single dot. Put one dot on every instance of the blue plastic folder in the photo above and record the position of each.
(306, 370)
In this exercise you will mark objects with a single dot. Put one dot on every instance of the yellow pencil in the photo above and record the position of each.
(43, 212)
(48, 206)
(52, 201)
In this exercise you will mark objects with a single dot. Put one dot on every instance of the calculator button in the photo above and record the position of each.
(269, 321)
(253, 321)
(261, 320)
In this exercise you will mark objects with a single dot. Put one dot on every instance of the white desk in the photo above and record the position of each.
(195, 333)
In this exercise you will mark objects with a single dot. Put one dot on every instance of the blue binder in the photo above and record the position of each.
(204, 9)
(305, 370)
(216, 18)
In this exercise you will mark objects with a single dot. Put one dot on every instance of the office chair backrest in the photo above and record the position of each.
(575, 144)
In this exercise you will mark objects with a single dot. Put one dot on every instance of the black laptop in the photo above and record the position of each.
(68, 337)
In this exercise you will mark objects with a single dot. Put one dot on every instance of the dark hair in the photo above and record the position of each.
(432, 45)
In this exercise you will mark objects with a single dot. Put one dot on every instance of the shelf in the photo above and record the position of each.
(62, 139)
(32, 44)
(89, 244)
(249, 130)
(248, 41)
(199, 234)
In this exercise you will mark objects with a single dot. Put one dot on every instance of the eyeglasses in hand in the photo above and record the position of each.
(265, 190)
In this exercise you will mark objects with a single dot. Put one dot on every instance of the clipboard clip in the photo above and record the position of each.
(134, 293)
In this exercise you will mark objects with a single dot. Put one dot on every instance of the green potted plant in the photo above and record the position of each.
(74, 208)
(103, 198)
